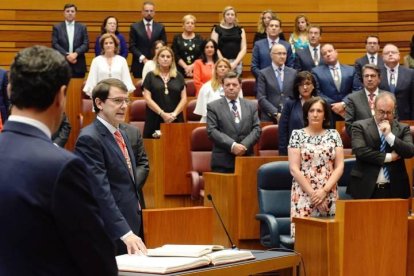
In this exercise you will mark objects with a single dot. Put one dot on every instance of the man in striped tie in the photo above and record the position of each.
(380, 145)
(109, 157)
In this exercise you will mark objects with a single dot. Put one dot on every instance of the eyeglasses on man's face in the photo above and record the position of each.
(120, 101)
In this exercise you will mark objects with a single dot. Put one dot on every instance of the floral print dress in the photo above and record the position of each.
(317, 163)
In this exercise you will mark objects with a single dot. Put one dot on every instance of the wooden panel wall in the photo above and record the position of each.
(346, 23)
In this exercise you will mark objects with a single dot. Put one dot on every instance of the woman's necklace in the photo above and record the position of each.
(165, 78)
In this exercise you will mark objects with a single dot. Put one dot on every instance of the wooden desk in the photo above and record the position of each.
(264, 262)
(235, 196)
(410, 247)
(367, 237)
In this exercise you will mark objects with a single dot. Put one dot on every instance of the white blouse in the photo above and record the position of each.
(101, 70)
(207, 95)
(149, 66)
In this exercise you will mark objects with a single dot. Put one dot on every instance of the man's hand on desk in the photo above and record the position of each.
(135, 245)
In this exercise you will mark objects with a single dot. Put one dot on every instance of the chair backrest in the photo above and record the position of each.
(137, 114)
(345, 178)
(249, 87)
(87, 105)
(138, 89)
(346, 141)
(412, 131)
(191, 91)
(269, 141)
(190, 116)
(274, 183)
(200, 150)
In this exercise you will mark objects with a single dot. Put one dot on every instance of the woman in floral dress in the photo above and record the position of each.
(316, 161)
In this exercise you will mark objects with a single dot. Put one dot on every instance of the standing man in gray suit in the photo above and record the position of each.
(399, 81)
(142, 36)
(70, 38)
(361, 103)
(232, 125)
(275, 85)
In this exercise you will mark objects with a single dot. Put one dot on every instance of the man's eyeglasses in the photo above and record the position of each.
(120, 101)
(383, 113)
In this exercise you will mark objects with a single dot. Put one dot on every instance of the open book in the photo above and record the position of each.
(181, 250)
(163, 265)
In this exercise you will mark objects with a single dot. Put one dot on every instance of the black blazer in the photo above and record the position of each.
(360, 62)
(366, 144)
(50, 219)
(304, 60)
(117, 193)
(80, 45)
(404, 91)
(139, 44)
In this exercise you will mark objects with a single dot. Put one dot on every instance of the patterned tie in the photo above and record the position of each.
(371, 101)
(121, 143)
(383, 149)
(337, 80)
(392, 81)
(279, 76)
(372, 59)
(235, 111)
(149, 32)
(315, 56)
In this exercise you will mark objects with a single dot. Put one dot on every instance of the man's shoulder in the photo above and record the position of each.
(319, 69)
(362, 60)
(301, 52)
(356, 94)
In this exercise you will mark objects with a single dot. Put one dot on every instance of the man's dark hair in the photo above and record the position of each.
(101, 90)
(326, 110)
(317, 27)
(70, 5)
(374, 36)
(36, 76)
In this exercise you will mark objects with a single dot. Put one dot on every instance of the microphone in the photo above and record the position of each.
(233, 246)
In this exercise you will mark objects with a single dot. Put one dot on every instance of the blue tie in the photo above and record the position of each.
(382, 149)
(279, 78)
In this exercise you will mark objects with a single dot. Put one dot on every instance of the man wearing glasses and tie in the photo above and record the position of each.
(372, 45)
(233, 126)
(109, 156)
(380, 145)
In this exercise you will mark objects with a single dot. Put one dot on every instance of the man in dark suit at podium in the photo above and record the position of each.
(70, 38)
(50, 221)
(380, 145)
(233, 126)
(142, 36)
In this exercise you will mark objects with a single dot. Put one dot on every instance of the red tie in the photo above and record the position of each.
(149, 32)
(121, 143)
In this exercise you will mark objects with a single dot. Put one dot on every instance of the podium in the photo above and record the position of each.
(366, 237)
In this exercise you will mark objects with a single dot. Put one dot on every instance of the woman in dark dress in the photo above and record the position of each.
(164, 92)
(231, 39)
(186, 47)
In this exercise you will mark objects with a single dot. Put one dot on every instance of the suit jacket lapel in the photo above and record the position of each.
(111, 142)
(245, 112)
(229, 114)
(328, 76)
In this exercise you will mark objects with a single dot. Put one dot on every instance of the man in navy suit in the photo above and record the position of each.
(70, 38)
(108, 154)
(4, 99)
(51, 223)
(398, 80)
(334, 81)
(275, 85)
(310, 57)
(142, 36)
(372, 44)
(232, 125)
(260, 57)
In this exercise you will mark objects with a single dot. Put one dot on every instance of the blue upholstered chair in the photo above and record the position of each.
(274, 183)
(345, 178)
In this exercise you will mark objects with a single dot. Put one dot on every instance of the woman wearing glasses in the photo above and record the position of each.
(164, 92)
(108, 65)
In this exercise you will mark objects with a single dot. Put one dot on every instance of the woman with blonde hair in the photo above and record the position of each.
(164, 92)
(186, 46)
(231, 39)
(299, 37)
(108, 65)
(213, 89)
(264, 20)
